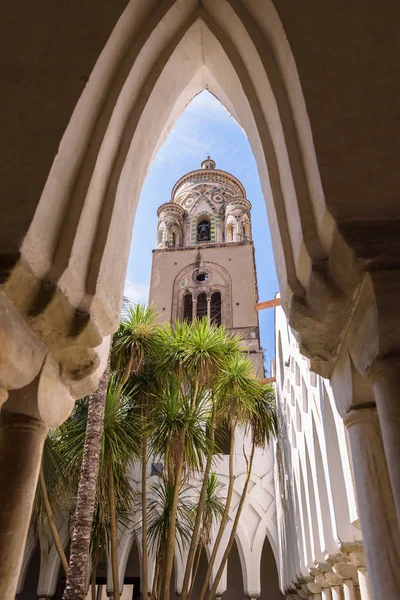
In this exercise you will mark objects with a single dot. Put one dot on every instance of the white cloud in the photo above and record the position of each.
(136, 292)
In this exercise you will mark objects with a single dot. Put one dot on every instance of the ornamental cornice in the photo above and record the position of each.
(212, 175)
(171, 207)
(237, 202)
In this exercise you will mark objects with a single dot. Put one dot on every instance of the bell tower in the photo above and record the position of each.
(203, 264)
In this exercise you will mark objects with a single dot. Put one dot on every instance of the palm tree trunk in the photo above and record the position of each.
(155, 579)
(114, 534)
(52, 525)
(169, 558)
(196, 528)
(75, 586)
(196, 568)
(225, 516)
(144, 576)
(234, 527)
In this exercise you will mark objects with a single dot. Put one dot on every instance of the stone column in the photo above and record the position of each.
(363, 582)
(337, 592)
(194, 308)
(376, 507)
(209, 308)
(349, 591)
(326, 593)
(21, 443)
(385, 378)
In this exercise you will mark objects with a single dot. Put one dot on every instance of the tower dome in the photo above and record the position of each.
(216, 210)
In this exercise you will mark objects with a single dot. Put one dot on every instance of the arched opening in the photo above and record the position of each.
(201, 572)
(234, 589)
(173, 239)
(188, 307)
(269, 574)
(201, 310)
(131, 590)
(245, 230)
(29, 591)
(215, 308)
(204, 231)
(229, 232)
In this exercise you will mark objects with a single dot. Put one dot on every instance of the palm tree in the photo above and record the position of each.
(263, 425)
(119, 445)
(196, 352)
(86, 497)
(52, 488)
(135, 351)
(179, 436)
(237, 390)
(159, 511)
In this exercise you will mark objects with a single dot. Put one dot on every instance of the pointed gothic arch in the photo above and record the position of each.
(118, 125)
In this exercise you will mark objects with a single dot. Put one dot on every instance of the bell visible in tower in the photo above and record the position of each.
(203, 231)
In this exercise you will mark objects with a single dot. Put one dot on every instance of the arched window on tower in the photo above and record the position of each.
(204, 231)
(215, 308)
(201, 305)
(173, 239)
(229, 232)
(188, 308)
(245, 230)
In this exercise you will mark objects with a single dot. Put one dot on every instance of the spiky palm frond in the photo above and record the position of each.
(207, 349)
(236, 388)
(178, 421)
(264, 424)
(159, 508)
(136, 339)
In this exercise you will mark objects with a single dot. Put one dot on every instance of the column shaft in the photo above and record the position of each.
(194, 309)
(326, 593)
(376, 507)
(21, 444)
(363, 582)
(337, 592)
(349, 591)
(386, 386)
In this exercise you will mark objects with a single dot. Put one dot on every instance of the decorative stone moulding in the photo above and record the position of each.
(209, 175)
(172, 209)
(241, 204)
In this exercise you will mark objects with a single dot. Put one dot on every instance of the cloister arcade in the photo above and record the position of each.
(90, 91)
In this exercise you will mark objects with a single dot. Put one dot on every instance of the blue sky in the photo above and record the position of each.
(205, 127)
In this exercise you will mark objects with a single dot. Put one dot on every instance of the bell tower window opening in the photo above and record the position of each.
(229, 232)
(173, 239)
(201, 306)
(188, 308)
(215, 308)
(204, 231)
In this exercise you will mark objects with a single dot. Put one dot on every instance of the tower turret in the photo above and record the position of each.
(170, 225)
